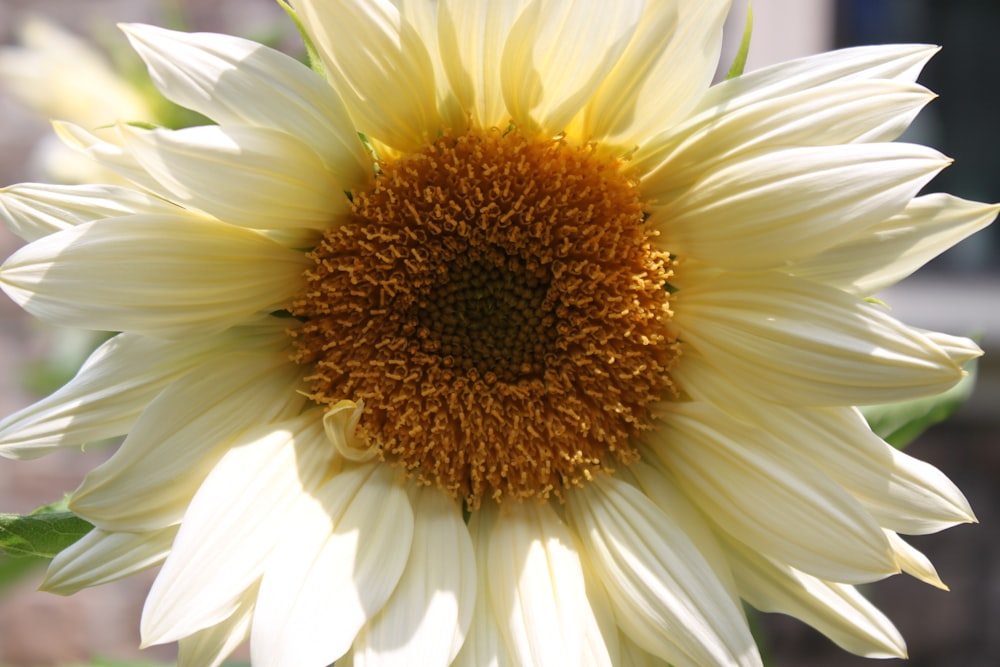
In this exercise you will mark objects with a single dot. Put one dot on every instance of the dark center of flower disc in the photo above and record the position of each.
(498, 305)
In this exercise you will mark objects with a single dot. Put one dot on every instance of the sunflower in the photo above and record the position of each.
(508, 339)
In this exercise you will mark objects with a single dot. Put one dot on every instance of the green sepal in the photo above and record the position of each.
(41, 534)
(899, 424)
(740, 61)
(315, 62)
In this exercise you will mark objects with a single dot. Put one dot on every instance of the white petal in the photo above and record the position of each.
(647, 91)
(913, 562)
(428, 615)
(557, 55)
(536, 586)
(882, 255)
(153, 274)
(249, 176)
(835, 113)
(836, 610)
(211, 646)
(33, 210)
(770, 501)
(773, 206)
(484, 645)
(232, 525)
(472, 36)
(100, 557)
(383, 71)
(335, 569)
(180, 437)
(237, 81)
(116, 384)
(802, 343)
(666, 597)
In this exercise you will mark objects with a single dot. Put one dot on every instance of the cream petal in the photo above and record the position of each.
(900, 62)
(211, 646)
(556, 56)
(660, 487)
(426, 619)
(633, 656)
(34, 210)
(666, 597)
(913, 562)
(792, 80)
(107, 153)
(601, 643)
(836, 610)
(774, 206)
(335, 570)
(249, 176)
(158, 275)
(839, 112)
(901, 492)
(898, 490)
(647, 92)
(802, 343)
(737, 475)
(384, 72)
(484, 645)
(100, 557)
(232, 525)
(536, 586)
(181, 436)
(427, 20)
(213, 74)
(884, 254)
(472, 36)
(959, 349)
(115, 385)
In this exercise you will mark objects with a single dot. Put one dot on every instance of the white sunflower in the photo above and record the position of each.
(510, 341)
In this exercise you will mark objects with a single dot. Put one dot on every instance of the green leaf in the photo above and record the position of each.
(740, 61)
(41, 534)
(899, 424)
(315, 62)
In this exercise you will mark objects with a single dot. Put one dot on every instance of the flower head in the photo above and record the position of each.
(58, 75)
(510, 341)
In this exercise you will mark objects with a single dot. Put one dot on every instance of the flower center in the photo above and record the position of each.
(499, 306)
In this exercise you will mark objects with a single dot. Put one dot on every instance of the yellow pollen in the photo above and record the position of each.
(499, 306)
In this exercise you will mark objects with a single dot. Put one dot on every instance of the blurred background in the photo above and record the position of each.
(958, 293)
